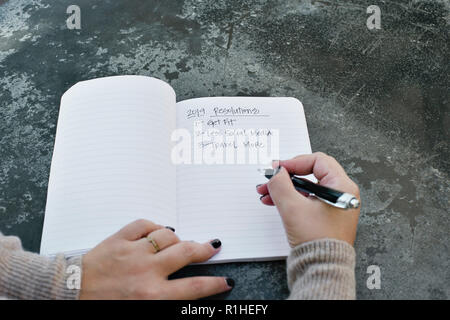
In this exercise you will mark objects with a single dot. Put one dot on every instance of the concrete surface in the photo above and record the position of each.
(376, 100)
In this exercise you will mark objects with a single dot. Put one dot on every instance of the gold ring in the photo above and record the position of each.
(153, 242)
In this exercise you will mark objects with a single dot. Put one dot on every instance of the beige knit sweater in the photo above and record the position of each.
(322, 269)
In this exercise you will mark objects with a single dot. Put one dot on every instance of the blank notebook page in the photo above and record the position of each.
(220, 201)
(111, 161)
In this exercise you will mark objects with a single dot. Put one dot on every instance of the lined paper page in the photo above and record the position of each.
(111, 161)
(220, 200)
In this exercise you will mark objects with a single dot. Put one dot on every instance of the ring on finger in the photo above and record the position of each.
(153, 242)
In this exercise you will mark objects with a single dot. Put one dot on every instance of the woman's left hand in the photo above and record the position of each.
(129, 266)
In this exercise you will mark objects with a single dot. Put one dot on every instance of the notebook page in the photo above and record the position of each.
(220, 200)
(111, 161)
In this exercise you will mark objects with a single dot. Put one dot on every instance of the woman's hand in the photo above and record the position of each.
(306, 218)
(127, 266)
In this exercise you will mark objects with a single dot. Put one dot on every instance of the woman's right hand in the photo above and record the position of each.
(127, 266)
(307, 218)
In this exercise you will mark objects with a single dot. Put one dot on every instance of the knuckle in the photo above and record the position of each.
(333, 159)
(169, 236)
(141, 222)
(145, 290)
(188, 249)
(320, 154)
(197, 284)
(173, 237)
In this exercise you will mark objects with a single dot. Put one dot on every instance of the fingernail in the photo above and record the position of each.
(275, 163)
(258, 185)
(170, 228)
(230, 282)
(260, 198)
(216, 243)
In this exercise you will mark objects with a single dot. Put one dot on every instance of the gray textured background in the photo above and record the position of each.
(376, 100)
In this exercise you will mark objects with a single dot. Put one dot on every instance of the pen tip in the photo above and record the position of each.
(267, 172)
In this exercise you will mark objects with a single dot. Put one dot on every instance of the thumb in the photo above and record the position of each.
(282, 191)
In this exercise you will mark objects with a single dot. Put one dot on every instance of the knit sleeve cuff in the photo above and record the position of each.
(322, 269)
(32, 276)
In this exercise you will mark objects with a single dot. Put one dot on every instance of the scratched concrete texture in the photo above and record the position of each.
(377, 100)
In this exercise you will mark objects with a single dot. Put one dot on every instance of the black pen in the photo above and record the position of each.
(333, 197)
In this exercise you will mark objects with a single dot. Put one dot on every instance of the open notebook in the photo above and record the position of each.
(115, 160)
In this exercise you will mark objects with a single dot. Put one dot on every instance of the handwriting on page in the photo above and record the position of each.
(223, 135)
(218, 201)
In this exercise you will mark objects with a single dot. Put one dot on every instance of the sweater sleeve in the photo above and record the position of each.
(26, 275)
(322, 269)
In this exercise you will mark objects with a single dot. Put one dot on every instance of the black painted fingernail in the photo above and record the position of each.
(230, 282)
(170, 228)
(216, 243)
